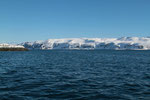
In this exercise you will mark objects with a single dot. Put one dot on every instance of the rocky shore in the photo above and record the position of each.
(13, 49)
(9, 47)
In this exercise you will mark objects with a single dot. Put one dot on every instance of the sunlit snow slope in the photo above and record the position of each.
(124, 43)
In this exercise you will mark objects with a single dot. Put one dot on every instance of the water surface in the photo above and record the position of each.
(75, 75)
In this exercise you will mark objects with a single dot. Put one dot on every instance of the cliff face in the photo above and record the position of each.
(124, 43)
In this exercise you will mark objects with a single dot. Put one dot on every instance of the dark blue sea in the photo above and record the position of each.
(75, 75)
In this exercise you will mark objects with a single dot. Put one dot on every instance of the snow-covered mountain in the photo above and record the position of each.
(124, 43)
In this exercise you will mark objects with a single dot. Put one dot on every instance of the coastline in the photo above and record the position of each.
(13, 49)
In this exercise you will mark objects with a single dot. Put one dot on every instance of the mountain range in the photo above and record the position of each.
(123, 43)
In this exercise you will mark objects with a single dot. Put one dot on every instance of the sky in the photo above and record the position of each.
(30, 20)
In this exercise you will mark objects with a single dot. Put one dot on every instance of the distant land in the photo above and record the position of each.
(10, 47)
(123, 43)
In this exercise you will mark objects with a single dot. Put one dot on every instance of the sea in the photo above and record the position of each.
(75, 75)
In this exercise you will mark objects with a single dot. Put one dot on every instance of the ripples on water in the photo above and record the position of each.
(75, 75)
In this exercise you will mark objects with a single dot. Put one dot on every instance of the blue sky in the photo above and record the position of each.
(29, 20)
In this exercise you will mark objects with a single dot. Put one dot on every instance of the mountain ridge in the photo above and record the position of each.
(123, 43)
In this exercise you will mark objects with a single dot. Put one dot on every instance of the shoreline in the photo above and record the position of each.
(13, 49)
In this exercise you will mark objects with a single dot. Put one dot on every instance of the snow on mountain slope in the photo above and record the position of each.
(4, 45)
(124, 43)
